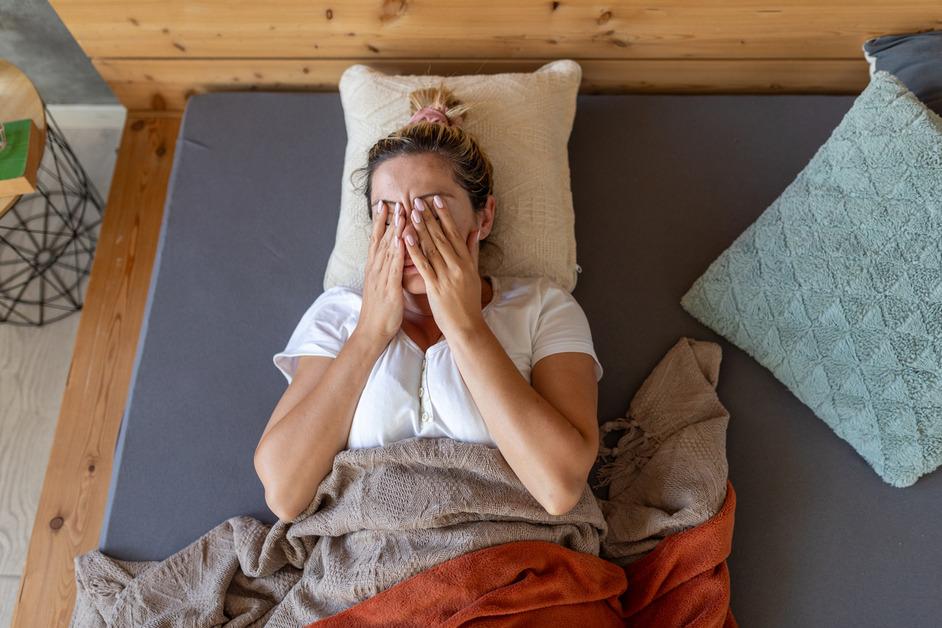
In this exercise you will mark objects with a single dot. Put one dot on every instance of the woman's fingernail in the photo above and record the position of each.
(417, 203)
(438, 201)
(415, 217)
(410, 240)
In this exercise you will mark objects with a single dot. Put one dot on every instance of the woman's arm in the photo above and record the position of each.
(311, 424)
(547, 432)
(551, 452)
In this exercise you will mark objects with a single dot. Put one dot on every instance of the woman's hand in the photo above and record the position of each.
(449, 266)
(382, 307)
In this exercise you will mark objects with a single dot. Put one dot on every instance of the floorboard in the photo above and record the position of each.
(75, 488)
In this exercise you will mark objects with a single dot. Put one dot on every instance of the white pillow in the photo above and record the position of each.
(522, 121)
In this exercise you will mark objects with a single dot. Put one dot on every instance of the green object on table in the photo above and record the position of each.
(837, 287)
(15, 154)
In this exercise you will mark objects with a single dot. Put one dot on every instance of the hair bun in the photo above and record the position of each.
(432, 114)
(437, 104)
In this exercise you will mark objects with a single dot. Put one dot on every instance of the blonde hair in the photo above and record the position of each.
(471, 169)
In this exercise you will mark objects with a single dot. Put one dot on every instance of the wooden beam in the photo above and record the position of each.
(75, 490)
(165, 84)
(580, 29)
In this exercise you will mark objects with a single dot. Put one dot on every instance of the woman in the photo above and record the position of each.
(429, 347)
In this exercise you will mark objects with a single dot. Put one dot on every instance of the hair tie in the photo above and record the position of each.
(432, 114)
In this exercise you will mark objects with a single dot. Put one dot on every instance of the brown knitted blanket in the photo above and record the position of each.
(384, 514)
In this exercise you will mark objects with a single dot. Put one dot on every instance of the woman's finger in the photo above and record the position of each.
(420, 219)
(394, 277)
(379, 222)
(382, 246)
(390, 234)
(438, 236)
(447, 223)
(421, 261)
(381, 254)
(474, 246)
(376, 231)
(428, 247)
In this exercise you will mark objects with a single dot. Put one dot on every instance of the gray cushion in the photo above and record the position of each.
(915, 59)
(661, 185)
(837, 287)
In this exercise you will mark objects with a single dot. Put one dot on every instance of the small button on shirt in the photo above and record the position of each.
(414, 393)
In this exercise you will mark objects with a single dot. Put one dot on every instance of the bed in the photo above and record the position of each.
(661, 185)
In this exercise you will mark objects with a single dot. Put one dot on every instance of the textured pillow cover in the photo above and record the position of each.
(915, 59)
(837, 286)
(522, 122)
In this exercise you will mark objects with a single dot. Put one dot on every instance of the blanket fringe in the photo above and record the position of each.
(633, 450)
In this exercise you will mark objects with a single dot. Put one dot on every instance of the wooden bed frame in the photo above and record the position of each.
(156, 53)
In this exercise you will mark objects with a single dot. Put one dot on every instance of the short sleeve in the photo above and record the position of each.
(562, 326)
(322, 330)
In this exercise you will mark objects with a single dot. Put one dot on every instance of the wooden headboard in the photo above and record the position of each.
(155, 53)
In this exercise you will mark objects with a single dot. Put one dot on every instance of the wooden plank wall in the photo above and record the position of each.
(154, 53)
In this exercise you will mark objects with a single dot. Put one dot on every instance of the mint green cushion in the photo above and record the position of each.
(837, 287)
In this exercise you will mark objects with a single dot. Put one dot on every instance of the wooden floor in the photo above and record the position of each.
(34, 361)
(75, 489)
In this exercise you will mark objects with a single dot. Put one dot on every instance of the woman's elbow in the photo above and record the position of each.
(284, 506)
(274, 496)
(283, 511)
(570, 487)
(262, 471)
(561, 501)
(557, 509)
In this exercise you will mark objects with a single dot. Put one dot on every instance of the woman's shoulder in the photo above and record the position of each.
(341, 294)
(336, 300)
(518, 288)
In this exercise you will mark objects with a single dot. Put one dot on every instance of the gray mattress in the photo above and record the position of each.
(661, 185)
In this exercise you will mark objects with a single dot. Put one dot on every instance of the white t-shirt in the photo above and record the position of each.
(411, 393)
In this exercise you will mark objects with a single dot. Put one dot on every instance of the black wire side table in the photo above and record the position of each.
(48, 238)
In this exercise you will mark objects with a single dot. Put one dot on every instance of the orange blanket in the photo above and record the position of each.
(683, 581)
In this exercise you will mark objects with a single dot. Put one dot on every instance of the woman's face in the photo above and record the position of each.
(407, 177)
